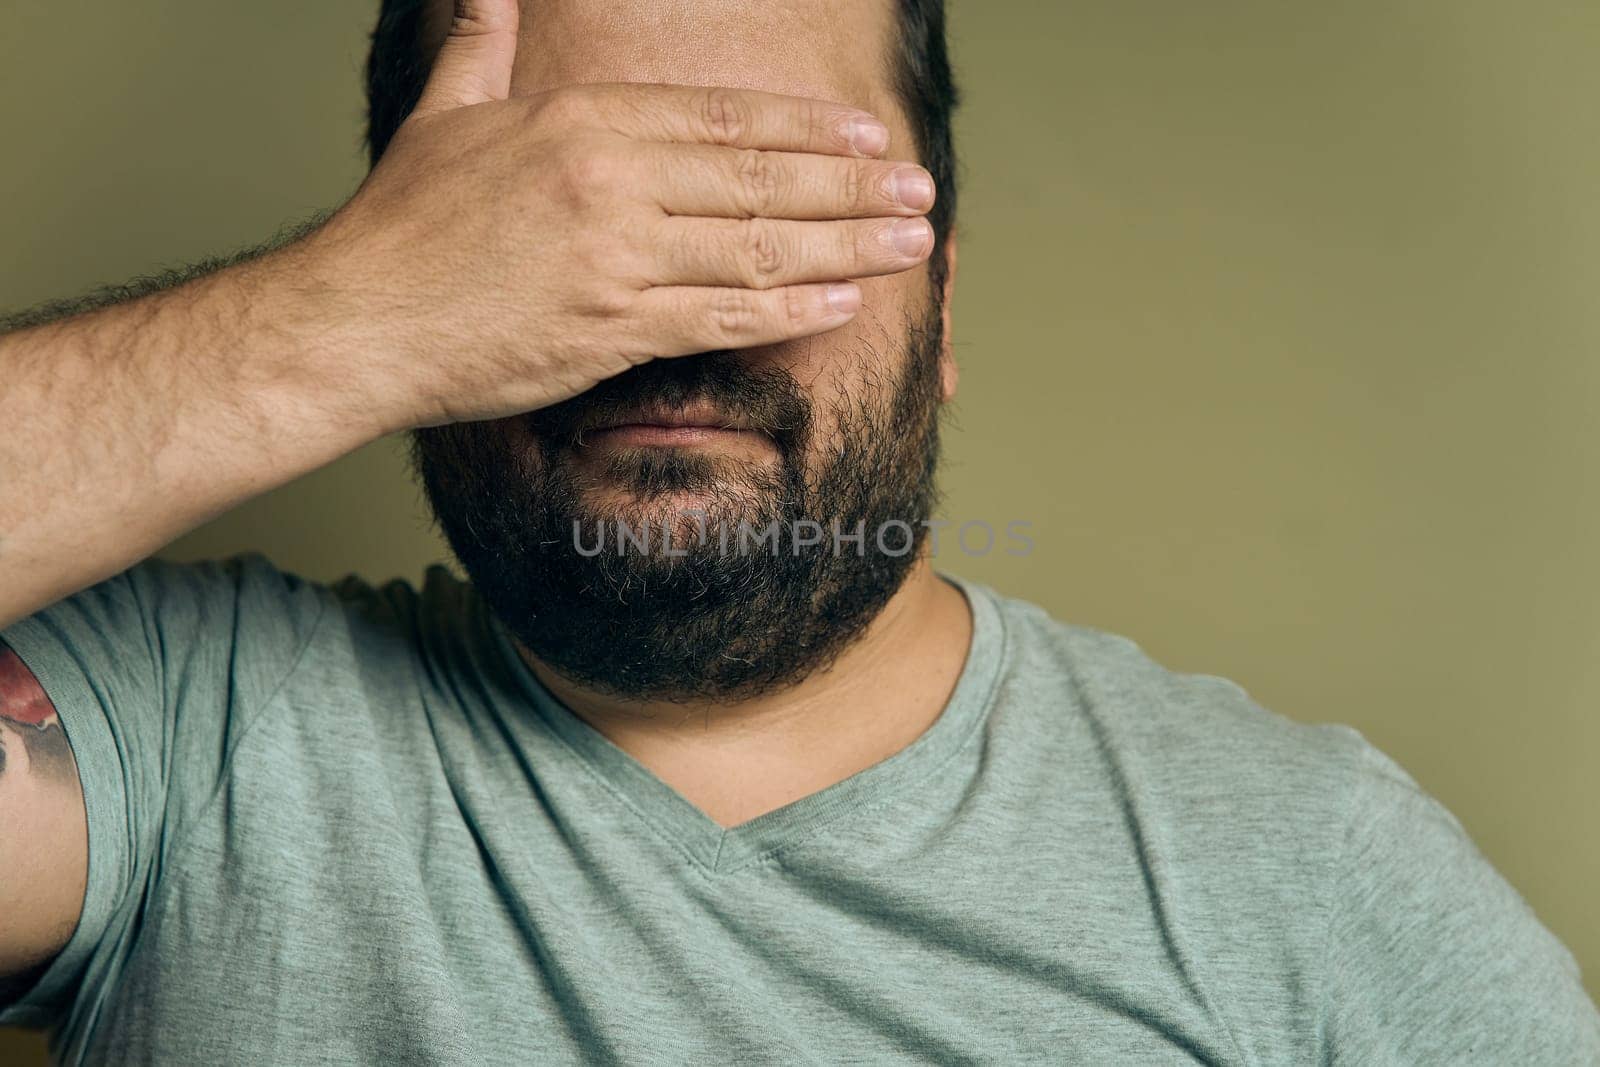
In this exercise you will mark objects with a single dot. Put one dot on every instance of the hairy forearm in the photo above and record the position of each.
(125, 425)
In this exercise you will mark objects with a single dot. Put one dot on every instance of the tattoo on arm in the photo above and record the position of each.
(31, 736)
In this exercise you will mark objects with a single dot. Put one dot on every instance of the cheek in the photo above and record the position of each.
(895, 297)
(835, 366)
(866, 347)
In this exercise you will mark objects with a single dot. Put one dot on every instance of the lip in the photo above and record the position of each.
(655, 433)
(695, 424)
(697, 416)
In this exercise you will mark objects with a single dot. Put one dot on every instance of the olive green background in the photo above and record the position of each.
(1277, 322)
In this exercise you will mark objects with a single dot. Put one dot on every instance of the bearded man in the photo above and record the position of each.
(704, 762)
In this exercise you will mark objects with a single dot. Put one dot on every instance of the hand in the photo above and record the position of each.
(512, 253)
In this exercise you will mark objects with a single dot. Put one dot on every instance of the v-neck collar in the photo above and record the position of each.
(721, 849)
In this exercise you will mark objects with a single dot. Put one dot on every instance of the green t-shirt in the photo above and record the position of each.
(345, 824)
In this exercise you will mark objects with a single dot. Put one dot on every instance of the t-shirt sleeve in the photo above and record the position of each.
(1433, 957)
(154, 674)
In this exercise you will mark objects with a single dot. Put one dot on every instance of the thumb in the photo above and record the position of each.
(474, 63)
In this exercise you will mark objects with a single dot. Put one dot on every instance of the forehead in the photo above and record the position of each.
(829, 49)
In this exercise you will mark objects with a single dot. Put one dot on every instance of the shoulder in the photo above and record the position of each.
(263, 622)
(162, 624)
(1300, 852)
(422, 632)
(1251, 810)
(399, 605)
(1182, 732)
(247, 578)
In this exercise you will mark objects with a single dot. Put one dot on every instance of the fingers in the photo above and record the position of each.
(717, 115)
(749, 182)
(474, 63)
(768, 253)
(686, 320)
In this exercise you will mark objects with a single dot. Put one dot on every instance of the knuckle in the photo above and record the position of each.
(860, 188)
(735, 313)
(796, 306)
(565, 106)
(725, 115)
(586, 173)
(468, 21)
(610, 301)
(595, 255)
(822, 125)
(763, 258)
(760, 180)
(864, 244)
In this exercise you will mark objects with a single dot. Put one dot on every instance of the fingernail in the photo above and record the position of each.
(913, 187)
(844, 297)
(910, 236)
(868, 136)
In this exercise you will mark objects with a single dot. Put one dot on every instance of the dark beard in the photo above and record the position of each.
(729, 618)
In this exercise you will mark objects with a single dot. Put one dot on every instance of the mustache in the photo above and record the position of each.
(764, 398)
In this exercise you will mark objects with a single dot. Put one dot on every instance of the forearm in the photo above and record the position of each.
(126, 426)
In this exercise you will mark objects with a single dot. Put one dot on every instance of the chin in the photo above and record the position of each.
(618, 500)
(685, 509)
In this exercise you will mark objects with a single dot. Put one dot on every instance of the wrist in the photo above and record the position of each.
(332, 366)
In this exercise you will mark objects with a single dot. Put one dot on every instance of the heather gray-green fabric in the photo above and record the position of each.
(345, 824)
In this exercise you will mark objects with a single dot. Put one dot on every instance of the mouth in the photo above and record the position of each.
(674, 427)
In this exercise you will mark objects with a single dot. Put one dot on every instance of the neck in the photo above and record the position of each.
(736, 761)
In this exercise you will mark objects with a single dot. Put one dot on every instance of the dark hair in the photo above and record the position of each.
(397, 68)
